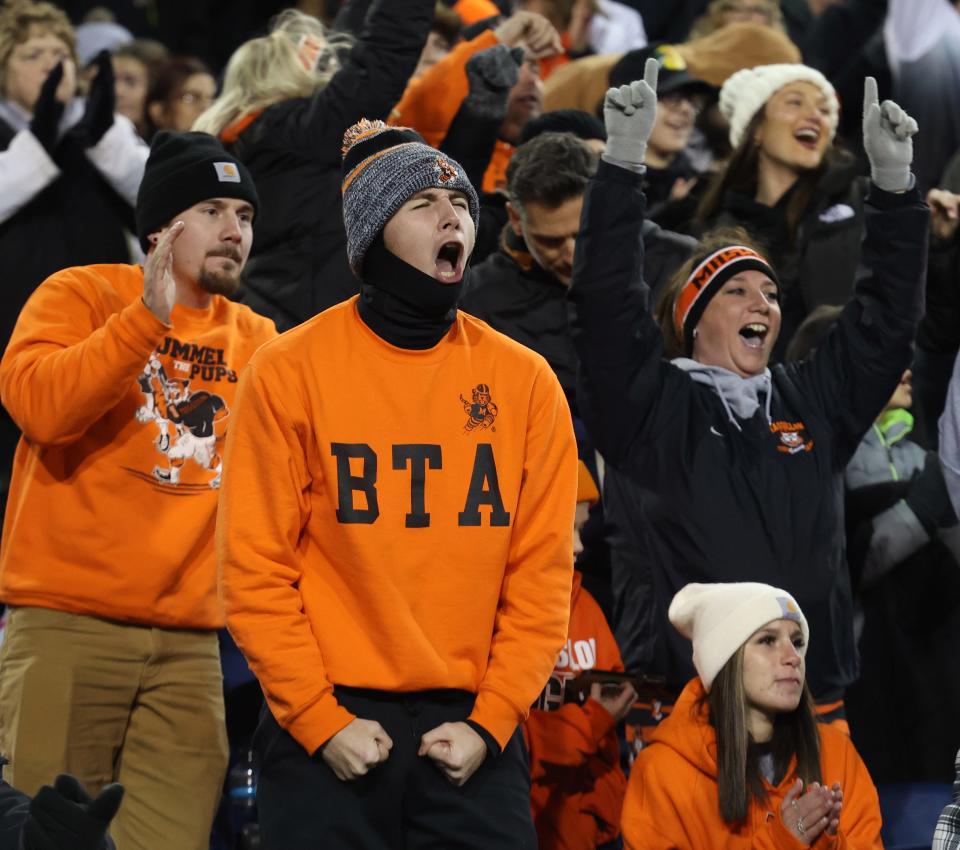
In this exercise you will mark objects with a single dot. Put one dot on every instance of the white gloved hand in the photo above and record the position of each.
(629, 113)
(887, 139)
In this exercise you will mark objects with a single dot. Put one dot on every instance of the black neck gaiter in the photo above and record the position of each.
(401, 304)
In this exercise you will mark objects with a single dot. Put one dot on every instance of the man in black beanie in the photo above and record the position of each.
(121, 379)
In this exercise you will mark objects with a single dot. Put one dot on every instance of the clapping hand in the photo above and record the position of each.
(808, 815)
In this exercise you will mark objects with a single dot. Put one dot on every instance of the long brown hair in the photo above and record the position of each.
(741, 175)
(795, 733)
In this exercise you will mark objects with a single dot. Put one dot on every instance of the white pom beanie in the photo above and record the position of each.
(745, 92)
(719, 618)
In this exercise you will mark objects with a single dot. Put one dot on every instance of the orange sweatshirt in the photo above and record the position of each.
(431, 101)
(577, 785)
(113, 497)
(397, 520)
(672, 801)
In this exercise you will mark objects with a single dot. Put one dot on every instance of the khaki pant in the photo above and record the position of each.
(112, 702)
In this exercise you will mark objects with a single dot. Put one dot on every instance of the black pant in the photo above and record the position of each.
(405, 803)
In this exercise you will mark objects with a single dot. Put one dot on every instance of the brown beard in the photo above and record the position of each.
(219, 282)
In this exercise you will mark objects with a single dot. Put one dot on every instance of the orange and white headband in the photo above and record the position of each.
(706, 279)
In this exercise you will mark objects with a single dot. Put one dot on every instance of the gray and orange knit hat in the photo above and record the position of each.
(383, 167)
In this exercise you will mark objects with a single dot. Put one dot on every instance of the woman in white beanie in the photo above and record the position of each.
(741, 762)
(790, 186)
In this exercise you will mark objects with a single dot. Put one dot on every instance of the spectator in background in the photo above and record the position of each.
(430, 103)
(444, 34)
(577, 784)
(740, 466)
(69, 168)
(903, 549)
(922, 38)
(122, 378)
(133, 66)
(742, 762)
(181, 90)
(670, 174)
(790, 186)
(722, 13)
(286, 101)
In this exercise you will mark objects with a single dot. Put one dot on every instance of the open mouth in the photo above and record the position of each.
(808, 137)
(448, 262)
(754, 335)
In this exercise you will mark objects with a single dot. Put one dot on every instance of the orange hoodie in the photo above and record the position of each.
(398, 520)
(577, 785)
(672, 801)
(431, 101)
(110, 401)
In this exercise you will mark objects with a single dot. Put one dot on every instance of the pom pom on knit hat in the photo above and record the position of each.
(744, 94)
(718, 618)
(184, 169)
(382, 168)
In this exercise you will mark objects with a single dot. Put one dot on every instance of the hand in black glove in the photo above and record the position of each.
(928, 497)
(65, 817)
(491, 74)
(48, 111)
(98, 115)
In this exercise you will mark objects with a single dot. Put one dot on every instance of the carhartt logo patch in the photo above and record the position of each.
(789, 609)
(227, 172)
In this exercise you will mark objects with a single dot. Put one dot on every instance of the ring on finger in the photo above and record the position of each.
(800, 827)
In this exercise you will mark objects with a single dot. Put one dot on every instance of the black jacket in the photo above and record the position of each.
(819, 266)
(714, 502)
(515, 296)
(298, 263)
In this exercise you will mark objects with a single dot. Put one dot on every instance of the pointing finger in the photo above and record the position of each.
(651, 71)
(870, 95)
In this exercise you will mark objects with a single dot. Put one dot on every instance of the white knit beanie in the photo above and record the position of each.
(745, 92)
(719, 618)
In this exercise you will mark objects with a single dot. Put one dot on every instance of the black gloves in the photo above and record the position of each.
(98, 115)
(48, 111)
(928, 497)
(65, 817)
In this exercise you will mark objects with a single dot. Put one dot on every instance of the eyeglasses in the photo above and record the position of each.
(676, 99)
(192, 97)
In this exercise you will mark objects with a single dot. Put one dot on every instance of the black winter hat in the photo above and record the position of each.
(184, 169)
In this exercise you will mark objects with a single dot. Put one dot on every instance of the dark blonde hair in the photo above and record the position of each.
(19, 18)
(795, 733)
(714, 240)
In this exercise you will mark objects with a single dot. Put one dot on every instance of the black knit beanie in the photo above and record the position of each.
(184, 169)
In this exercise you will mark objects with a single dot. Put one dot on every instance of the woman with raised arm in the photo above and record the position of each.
(738, 466)
(741, 762)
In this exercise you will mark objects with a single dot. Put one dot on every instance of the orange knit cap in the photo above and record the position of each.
(586, 487)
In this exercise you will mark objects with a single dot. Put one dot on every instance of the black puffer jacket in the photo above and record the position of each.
(819, 265)
(515, 296)
(718, 498)
(298, 264)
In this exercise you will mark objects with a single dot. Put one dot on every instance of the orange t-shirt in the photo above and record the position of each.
(397, 520)
(577, 784)
(110, 401)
